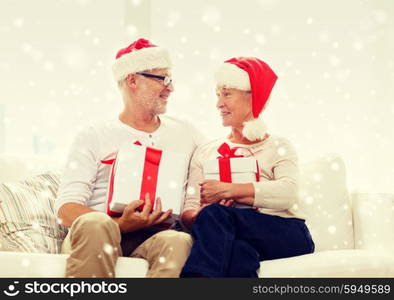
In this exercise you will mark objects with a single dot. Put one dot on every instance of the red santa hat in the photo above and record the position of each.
(140, 55)
(249, 74)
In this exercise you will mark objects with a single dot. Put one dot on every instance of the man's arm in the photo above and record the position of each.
(68, 212)
(79, 174)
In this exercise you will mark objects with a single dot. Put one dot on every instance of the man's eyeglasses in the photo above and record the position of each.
(167, 80)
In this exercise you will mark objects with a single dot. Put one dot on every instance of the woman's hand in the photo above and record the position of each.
(226, 202)
(212, 191)
(189, 216)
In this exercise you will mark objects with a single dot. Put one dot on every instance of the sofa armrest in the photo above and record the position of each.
(373, 219)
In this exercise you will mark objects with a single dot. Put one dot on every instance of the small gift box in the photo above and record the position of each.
(230, 167)
(138, 170)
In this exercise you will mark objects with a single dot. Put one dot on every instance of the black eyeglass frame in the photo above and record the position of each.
(167, 80)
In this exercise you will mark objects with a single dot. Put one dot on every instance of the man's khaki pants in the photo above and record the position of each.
(94, 244)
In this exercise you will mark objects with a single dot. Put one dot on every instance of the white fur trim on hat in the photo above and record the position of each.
(230, 76)
(254, 130)
(140, 60)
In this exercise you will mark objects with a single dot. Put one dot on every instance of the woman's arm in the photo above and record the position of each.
(213, 191)
(281, 192)
(192, 198)
(278, 193)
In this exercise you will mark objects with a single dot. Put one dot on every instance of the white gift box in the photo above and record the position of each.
(127, 178)
(243, 170)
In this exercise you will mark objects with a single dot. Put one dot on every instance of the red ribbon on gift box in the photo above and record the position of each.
(225, 166)
(149, 177)
(150, 174)
(224, 162)
(111, 191)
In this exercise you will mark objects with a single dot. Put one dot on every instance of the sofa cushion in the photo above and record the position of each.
(337, 263)
(324, 200)
(14, 264)
(373, 216)
(27, 219)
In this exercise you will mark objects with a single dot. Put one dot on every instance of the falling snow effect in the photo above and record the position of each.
(25, 262)
(332, 229)
(322, 100)
(108, 249)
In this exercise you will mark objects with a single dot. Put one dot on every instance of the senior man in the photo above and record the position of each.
(95, 240)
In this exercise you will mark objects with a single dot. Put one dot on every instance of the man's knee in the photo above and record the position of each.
(174, 239)
(94, 222)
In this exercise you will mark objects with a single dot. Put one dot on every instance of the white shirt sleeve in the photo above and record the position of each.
(195, 172)
(80, 171)
(198, 137)
(281, 192)
(195, 176)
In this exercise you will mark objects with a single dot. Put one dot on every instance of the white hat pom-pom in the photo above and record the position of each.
(254, 130)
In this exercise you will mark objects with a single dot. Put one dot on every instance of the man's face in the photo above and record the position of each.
(152, 93)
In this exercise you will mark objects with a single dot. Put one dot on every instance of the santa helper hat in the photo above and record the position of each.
(140, 55)
(249, 74)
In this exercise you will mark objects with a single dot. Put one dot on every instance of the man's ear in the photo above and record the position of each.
(131, 81)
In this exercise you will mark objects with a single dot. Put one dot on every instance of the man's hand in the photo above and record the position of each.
(212, 191)
(133, 220)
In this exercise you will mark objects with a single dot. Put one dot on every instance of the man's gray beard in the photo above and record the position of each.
(157, 109)
(160, 109)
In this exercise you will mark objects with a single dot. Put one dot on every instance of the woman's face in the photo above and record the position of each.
(234, 106)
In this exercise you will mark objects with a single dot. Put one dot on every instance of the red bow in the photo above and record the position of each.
(227, 152)
(224, 161)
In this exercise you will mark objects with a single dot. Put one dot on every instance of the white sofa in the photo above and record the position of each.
(353, 233)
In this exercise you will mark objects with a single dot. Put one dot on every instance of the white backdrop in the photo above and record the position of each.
(334, 60)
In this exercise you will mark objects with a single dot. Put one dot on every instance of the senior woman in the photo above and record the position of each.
(237, 225)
